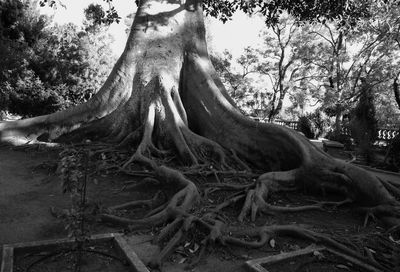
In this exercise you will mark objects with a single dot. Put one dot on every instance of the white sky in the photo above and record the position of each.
(234, 35)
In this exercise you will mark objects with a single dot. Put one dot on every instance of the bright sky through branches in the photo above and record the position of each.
(234, 35)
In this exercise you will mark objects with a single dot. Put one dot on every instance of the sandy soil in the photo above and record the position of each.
(25, 197)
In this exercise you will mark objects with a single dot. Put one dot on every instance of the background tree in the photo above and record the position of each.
(341, 58)
(22, 29)
(386, 24)
(269, 71)
(47, 68)
(282, 61)
(248, 94)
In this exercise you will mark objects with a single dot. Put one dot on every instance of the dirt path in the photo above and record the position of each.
(27, 192)
(25, 197)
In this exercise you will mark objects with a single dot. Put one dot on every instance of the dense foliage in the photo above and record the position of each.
(47, 67)
(347, 12)
(306, 127)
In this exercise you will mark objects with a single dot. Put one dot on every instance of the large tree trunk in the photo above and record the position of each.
(164, 95)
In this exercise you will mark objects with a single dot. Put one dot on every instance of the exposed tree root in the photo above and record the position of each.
(271, 183)
(388, 214)
(264, 234)
(150, 203)
(334, 204)
(391, 188)
(181, 201)
(216, 231)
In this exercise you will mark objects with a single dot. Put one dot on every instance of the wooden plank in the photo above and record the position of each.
(20, 248)
(256, 265)
(7, 260)
(355, 261)
(256, 268)
(133, 259)
(44, 245)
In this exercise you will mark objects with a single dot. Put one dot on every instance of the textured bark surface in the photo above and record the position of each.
(164, 97)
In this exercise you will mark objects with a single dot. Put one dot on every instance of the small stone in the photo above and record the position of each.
(318, 254)
(272, 243)
(342, 266)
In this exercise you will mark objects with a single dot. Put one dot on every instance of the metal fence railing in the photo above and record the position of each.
(382, 134)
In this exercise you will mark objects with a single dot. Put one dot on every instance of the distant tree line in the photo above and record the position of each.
(322, 69)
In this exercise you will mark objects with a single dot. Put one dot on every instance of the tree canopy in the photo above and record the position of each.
(347, 12)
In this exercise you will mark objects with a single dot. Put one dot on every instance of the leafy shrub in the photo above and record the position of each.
(320, 123)
(306, 127)
(30, 98)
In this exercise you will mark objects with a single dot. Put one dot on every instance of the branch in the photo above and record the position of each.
(365, 48)
(323, 37)
(331, 34)
(291, 31)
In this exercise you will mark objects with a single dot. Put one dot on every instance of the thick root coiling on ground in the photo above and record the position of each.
(180, 202)
(379, 204)
(256, 196)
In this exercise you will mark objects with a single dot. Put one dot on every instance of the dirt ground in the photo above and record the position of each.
(29, 187)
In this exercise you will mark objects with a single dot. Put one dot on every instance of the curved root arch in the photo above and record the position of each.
(114, 93)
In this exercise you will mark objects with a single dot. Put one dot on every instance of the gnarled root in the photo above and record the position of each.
(268, 183)
(356, 185)
(387, 213)
(214, 230)
(181, 201)
(202, 231)
(256, 195)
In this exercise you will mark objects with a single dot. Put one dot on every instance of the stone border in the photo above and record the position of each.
(256, 264)
(121, 244)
